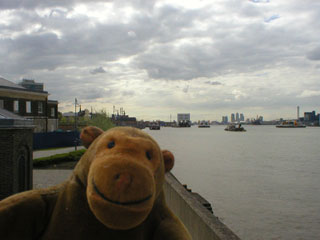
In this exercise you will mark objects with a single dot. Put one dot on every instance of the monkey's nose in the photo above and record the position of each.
(123, 181)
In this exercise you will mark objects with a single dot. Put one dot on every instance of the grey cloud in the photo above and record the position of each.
(79, 43)
(97, 70)
(314, 55)
(260, 1)
(96, 92)
(249, 10)
(68, 91)
(128, 93)
(185, 89)
(215, 83)
(31, 4)
(272, 18)
(232, 50)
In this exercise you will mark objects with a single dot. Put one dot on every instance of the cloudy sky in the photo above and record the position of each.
(156, 58)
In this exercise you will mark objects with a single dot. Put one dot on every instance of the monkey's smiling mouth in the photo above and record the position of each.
(116, 202)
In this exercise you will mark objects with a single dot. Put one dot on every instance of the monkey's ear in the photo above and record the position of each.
(168, 159)
(89, 134)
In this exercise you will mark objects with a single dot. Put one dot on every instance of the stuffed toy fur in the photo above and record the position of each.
(115, 192)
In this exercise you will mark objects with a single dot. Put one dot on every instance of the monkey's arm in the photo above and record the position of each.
(171, 228)
(23, 215)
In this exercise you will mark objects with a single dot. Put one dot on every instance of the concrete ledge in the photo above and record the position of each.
(200, 222)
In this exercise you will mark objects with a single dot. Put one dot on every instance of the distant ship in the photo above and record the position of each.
(234, 128)
(291, 124)
(154, 126)
(204, 125)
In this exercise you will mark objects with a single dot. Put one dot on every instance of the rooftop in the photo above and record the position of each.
(7, 83)
(4, 83)
(11, 120)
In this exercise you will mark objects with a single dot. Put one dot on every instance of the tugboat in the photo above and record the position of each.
(234, 128)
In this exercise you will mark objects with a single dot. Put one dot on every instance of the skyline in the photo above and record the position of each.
(232, 117)
(156, 58)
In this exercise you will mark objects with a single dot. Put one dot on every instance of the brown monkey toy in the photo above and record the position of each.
(115, 192)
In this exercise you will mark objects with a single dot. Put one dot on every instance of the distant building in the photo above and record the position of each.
(260, 118)
(241, 117)
(30, 104)
(123, 120)
(184, 119)
(237, 117)
(224, 119)
(310, 117)
(32, 85)
(84, 113)
(69, 116)
(232, 117)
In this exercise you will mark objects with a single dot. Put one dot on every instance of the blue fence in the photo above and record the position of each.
(55, 139)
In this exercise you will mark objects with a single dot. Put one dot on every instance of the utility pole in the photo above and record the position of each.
(75, 124)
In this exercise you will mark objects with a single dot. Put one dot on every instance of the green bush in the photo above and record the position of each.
(101, 119)
(59, 158)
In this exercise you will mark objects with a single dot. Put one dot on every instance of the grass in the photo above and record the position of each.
(58, 159)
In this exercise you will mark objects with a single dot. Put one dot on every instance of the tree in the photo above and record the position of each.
(100, 119)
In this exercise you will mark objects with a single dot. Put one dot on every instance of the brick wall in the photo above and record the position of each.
(15, 160)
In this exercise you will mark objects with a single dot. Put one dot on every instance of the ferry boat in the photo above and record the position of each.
(291, 124)
(234, 128)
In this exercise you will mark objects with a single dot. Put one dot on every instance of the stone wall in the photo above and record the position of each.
(200, 222)
(15, 160)
(52, 124)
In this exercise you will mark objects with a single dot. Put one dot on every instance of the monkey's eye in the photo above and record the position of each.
(148, 155)
(111, 144)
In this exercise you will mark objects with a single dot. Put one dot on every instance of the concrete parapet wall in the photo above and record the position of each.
(200, 222)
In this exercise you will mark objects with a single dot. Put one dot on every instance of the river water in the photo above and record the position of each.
(263, 183)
